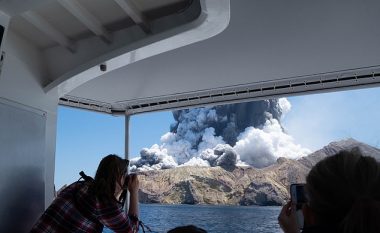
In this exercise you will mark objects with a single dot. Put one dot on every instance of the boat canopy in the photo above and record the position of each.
(124, 57)
(139, 56)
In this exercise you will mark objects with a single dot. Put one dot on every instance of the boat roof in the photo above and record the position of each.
(144, 55)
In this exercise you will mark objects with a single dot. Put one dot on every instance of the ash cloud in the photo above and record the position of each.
(228, 121)
(243, 134)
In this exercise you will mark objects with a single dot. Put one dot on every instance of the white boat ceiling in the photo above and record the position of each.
(245, 50)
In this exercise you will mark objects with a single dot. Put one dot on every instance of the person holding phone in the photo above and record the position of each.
(89, 205)
(342, 196)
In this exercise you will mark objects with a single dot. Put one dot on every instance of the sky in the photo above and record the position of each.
(84, 137)
(316, 120)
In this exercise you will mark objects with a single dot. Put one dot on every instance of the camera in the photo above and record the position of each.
(127, 178)
(297, 194)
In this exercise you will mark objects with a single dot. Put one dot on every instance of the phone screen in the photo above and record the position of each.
(300, 194)
(297, 193)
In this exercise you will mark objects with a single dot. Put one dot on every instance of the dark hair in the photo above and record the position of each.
(110, 170)
(344, 192)
(187, 229)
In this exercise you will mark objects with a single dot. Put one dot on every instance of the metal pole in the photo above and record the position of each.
(126, 152)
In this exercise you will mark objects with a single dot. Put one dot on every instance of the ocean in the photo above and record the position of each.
(214, 219)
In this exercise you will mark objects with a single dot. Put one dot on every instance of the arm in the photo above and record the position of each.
(133, 188)
(112, 215)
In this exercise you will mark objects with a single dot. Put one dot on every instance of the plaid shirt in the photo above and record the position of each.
(75, 210)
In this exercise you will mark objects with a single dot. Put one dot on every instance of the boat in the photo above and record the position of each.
(125, 57)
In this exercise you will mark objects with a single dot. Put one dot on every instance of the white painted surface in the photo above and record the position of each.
(49, 30)
(15, 7)
(137, 16)
(22, 166)
(265, 41)
(28, 151)
(85, 17)
(213, 20)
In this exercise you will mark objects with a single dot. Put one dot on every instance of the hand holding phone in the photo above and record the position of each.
(287, 219)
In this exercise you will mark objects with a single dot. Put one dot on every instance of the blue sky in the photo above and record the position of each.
(84, 137)
(316, 120)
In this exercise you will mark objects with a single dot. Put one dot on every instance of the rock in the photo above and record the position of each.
(231, 185)
(227, 159)
(214, 185)
(334, 147)
(264, 194)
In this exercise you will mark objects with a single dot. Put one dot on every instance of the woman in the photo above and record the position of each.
(89, 205)
(343, 193)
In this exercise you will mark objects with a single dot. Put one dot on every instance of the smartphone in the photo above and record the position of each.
(297, 194)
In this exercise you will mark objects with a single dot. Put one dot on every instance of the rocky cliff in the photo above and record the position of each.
(334, 147)
(239, 185)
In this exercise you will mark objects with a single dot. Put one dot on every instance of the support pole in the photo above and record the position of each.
(126, 154)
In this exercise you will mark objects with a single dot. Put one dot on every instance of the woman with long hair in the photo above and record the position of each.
(89, 205)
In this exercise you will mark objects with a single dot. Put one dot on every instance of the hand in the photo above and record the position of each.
(133, 188)
(133, 183)
(287, 218)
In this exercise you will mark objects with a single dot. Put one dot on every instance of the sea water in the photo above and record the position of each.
(217, 219)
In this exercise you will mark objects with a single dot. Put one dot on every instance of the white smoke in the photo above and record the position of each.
(262, 147)
(196, 161)
(195, 144)
(284, 105)
(209, 140)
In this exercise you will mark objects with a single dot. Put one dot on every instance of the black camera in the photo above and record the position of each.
(127, 178)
